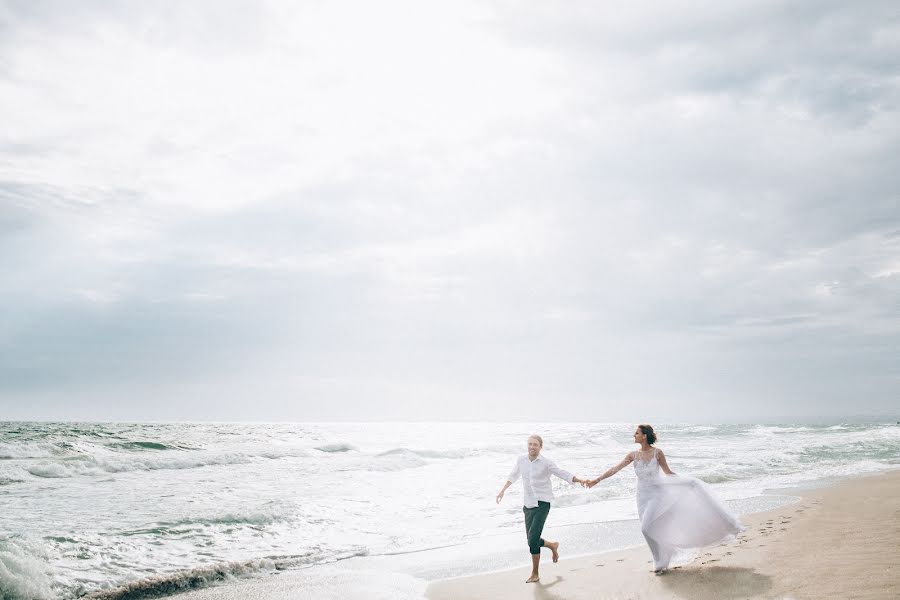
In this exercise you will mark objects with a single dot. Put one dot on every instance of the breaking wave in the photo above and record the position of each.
(200, 577)
(338, 447)
(427, 453)
(145, 446)
(25, 572)
(89, 465)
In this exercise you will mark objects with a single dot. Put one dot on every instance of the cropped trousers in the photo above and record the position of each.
(534, 525)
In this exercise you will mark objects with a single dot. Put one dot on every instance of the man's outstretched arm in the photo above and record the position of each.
(500, 495)
(510, 479)
(565, 475)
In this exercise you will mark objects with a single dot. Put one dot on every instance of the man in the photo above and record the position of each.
(535, 471)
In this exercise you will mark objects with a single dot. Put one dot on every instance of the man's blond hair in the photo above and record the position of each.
(535, 436)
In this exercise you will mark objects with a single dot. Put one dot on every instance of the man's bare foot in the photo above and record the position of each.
(554, 548)
(533, 579)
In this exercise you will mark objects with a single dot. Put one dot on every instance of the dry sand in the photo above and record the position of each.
(841, 541)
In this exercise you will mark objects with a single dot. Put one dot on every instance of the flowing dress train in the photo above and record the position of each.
(678, 512)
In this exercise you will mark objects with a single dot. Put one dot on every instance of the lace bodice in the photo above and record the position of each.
(646, 470)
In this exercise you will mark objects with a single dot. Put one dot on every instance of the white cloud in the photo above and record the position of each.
(437, 207)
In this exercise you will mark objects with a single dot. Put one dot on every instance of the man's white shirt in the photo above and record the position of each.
(535, 476)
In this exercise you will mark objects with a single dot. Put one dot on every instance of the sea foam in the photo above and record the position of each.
(145, 508)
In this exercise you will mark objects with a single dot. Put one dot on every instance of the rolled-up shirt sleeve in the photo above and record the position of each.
(561, 473)
(514, 474)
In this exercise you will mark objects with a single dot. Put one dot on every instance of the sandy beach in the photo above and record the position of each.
(839, 541)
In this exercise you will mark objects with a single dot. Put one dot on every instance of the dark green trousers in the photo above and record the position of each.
(534, 525)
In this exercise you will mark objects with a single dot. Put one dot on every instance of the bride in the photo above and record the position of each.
(676, 512)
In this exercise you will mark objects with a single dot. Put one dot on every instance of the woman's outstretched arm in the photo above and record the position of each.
(612, 470)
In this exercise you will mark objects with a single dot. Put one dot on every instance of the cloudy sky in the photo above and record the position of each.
(462, 210)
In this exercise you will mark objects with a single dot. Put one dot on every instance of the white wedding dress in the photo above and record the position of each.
(678, 512)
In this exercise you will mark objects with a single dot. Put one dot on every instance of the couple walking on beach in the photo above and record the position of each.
(676, 512)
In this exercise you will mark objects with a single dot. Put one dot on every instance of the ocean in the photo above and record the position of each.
(146, 509)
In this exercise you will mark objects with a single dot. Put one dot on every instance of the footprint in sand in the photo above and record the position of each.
(600, 565)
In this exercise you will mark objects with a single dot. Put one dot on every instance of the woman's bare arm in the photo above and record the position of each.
(661, 459)
(612, 470)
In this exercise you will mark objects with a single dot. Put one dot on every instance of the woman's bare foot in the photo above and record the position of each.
(554, 548)
(660, 571)
(533, 579)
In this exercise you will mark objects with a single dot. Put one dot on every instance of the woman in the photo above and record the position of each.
(676, 512)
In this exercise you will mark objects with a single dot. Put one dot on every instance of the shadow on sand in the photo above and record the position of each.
(716, 583)
(542, 591)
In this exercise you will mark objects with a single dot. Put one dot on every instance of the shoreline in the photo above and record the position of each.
(754, 565)
(782, 554)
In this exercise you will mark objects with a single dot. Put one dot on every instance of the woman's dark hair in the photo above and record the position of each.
(648, 431)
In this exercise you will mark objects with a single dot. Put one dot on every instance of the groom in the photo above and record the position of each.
(535, 471)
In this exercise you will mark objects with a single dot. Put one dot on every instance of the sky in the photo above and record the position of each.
(467, 210)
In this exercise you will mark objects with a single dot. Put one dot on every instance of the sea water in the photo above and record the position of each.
(87, 507)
